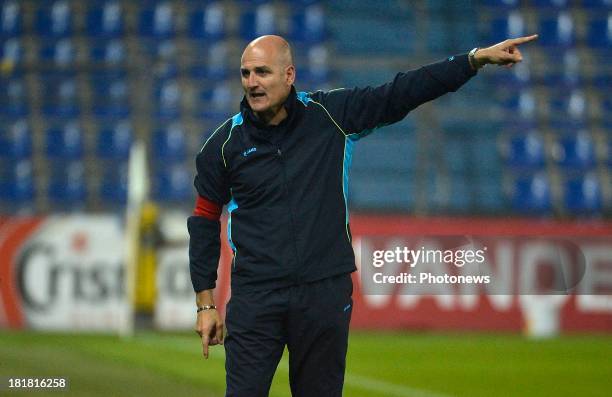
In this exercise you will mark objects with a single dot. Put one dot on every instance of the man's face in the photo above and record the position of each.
(265, 79)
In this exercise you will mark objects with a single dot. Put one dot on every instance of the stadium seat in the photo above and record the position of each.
(381, 153)
(16, 140)
(168, 99)
(157, 20)
(572, 104)
(502, 4)
(567, 74)
(115, 141)
(11, 53)
(105, 19)
(369, 191)
(14, 99)
(17, 183)
(512, 25)
(11, 19)
(113, 188)
(558, 31)
(575, 151)
(526, 151)
(173, 184)
(65, 142)
(108, 53)
(216, 100)
(110, 96)
(258, 22)
(522, 105)
(597, 4)
(208, 23)
(488, 195)
(67, 189)
(170, 144)
(583, 194)
(214, 64)
(60, 54)
(558, 4)
(532, 194)
(600, 32)
(54, 20)
(60, 98)
(308, 25)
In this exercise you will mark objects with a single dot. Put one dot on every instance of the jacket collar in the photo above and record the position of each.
(262, 130)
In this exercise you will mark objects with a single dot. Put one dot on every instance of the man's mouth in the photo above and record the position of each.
(257, 94)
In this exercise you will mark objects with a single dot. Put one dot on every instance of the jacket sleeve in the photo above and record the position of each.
(360, 109)
(204, 234)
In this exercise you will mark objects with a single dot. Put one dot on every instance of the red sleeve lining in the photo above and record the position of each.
(207, 209)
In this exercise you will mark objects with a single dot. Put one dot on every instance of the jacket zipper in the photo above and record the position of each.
(279, 153)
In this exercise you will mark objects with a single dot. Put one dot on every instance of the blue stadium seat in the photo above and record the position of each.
(213, 65)
(60, 54)
(170, 144)
(14, 99)
(373, 191)
(173, 184)
(488, 195)
(208, 23)
(168, 99)
(55, 19)
(381, 153)
(575, 151)
(158, 20)
(11, 52)
(600, 32)
(558, 31)
(526, 151)
(522, 105)
(567, 75)
(110, 96)
(583, 194)
(11, 19)
(105, 19)
(532, 194)
(572, 104)
(16, 140)
(113, 188)
(557, 4)
(308, 25)
(60, 98)
(216, 100)
(502, 4)
(258, 22)
(67, 187)
(65, 141)
(597, 5)
(115, 141)
(17, 183)
(108, 53)
(512, 25)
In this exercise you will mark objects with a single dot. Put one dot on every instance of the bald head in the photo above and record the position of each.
(274, 49)
(267, 74)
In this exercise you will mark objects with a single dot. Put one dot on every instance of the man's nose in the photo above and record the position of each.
(252, 80)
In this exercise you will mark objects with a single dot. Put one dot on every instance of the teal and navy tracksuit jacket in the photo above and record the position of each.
(286, 186)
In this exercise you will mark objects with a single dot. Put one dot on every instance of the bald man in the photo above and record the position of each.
(281, 165)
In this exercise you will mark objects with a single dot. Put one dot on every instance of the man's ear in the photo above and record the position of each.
(290, 74)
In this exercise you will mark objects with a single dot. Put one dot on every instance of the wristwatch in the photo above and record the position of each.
(472, 58)
(206, 307)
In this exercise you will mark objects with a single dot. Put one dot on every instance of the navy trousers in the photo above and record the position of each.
(312, 320)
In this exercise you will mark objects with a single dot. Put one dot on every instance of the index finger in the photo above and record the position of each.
(205, 342)
(525, 39)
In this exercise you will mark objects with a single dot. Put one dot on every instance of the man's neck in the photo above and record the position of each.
(272, 117)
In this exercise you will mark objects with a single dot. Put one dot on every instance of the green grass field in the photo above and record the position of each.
(380, 364)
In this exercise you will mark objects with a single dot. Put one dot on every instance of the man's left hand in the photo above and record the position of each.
(505, 53)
